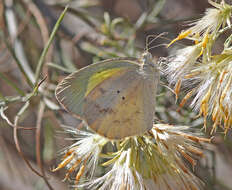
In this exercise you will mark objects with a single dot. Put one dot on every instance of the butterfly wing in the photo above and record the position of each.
(72, 91)
(114, 97)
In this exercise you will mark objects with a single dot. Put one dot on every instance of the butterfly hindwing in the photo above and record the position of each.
(119, 106)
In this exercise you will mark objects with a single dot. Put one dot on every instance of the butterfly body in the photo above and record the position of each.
(116, 98)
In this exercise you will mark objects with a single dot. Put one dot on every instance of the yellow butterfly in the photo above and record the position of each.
(116, 97)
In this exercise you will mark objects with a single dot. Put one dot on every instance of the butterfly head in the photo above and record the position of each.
(147, 59)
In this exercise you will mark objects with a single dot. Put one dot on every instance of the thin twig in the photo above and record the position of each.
(40, 21)
(12, 84)
(59, 67)
(2, 114)
(43, 28)
(15, 134)
(82, 15)
(36, 88)
(38, 132)
(45, 50)
(17, 46)
(19, 64)
(21, 153)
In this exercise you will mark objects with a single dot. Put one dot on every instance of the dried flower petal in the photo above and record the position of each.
(83, 155)
(152, 162)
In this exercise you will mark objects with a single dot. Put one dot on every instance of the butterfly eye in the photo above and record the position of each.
(123, 98)
(118, 91)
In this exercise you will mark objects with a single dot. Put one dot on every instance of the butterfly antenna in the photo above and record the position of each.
(159, 45)
(148, 43)
(154, 38)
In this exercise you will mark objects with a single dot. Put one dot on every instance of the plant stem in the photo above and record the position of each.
(45, 50)
(16, 59)
(12, 84)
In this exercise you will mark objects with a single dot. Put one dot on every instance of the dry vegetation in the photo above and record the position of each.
(31, 132)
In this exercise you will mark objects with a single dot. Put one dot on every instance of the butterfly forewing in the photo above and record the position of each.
(71, 91)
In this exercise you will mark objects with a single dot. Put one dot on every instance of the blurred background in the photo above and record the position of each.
(92, 30)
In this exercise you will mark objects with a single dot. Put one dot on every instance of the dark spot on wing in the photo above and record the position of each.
(103, 110)
(118, 91)
(138, 112)
(106, 110)
(123, 98)
(127, 120)
(116, 121)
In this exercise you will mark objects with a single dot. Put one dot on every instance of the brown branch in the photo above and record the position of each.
(17, 145)
(15, 135)
(38, 144)
(41, 23)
